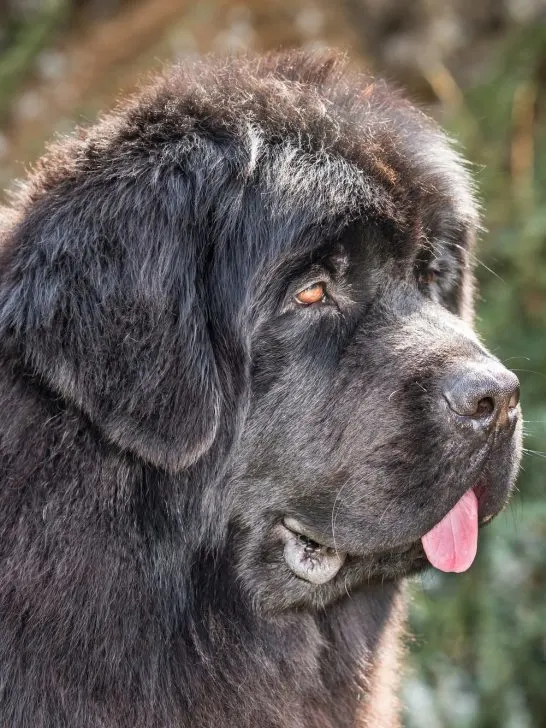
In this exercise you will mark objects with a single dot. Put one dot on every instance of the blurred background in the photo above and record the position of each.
(478, 645)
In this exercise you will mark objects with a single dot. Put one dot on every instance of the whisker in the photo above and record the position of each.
(518, 357)
(530, 371)
(489, 270)
(537, 453)
(477, 261)
(334, 513)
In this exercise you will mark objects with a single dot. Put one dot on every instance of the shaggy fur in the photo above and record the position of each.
(167, 402)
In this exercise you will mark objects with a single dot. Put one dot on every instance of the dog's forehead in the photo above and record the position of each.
(303, 142)
(358, 200)
(327, 142)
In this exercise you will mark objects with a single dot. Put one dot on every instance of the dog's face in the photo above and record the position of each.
(352, 450)
(272, 291)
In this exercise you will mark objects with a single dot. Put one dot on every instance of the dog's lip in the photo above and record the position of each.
(307, 557)
(481, 490)
(299, 529)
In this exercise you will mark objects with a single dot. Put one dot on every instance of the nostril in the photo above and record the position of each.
(484, 392)
(485, 407)
(514, 399)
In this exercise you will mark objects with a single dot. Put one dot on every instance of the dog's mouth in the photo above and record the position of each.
(306, 557)
(450, 546)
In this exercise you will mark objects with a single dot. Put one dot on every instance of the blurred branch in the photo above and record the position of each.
(444, 85)
(522, 152)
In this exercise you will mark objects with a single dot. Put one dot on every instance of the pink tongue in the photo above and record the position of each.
(452, 544)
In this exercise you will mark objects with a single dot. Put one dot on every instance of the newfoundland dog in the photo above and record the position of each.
(241, 400)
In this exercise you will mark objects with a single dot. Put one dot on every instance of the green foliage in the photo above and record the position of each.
(479, 654)
(26, 33)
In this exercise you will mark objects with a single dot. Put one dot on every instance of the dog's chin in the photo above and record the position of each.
(313, 583)
(281, 569)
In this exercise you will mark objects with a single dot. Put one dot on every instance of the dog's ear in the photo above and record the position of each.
(104, 288)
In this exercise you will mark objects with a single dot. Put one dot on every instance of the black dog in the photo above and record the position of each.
(241, 400)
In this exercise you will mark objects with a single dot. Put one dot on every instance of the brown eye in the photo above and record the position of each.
(428, 276)
(312, 294)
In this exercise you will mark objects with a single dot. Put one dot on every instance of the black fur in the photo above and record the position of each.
(166, 402)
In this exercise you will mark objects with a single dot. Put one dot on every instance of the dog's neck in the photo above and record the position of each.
(334, 668)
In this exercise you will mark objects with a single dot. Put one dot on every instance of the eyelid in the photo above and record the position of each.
(322, 287)
(433, 266)
(312, 283)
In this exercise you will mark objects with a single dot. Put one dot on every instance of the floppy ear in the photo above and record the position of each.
(103, 289)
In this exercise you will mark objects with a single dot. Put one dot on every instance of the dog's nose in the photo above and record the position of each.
(484, 391)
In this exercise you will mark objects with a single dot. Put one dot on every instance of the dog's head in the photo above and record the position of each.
(263, 266)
